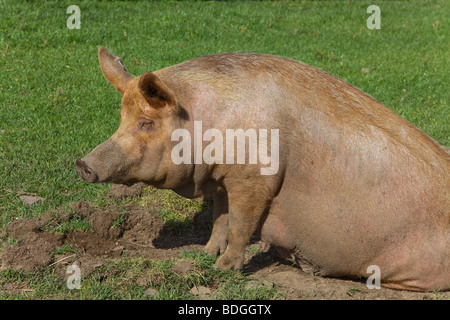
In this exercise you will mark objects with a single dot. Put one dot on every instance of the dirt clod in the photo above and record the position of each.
(150, 293)
(30, 200)
(201, 291)
(184, 267)
(82, 208)
(120, 192)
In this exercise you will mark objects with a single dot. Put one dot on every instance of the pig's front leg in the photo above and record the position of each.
(219, 237)
(246, 207)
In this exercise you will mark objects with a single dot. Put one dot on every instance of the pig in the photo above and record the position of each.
(353, 185)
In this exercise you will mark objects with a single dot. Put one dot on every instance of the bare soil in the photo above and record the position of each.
(142, 233)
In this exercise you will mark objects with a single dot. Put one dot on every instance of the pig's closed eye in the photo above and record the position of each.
(146, 124)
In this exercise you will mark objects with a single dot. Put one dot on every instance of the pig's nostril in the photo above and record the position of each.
(85, 172)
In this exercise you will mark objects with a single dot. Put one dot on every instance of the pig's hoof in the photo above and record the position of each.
(214, 248)
(226, 263)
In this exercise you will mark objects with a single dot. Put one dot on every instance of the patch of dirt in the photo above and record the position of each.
(33, 248)
(140, 232)
(120, 192)
(185, 267)
(116, 229)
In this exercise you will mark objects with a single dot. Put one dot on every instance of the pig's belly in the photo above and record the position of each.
(316, 250)
(277, 233)
(319, 240)
(324, 241)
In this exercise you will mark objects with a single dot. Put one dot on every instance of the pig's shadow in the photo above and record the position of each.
(175, 235)
(194, 236)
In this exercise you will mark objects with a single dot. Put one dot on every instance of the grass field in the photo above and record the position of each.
(55, 105)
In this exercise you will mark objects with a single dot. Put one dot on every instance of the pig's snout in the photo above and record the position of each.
(85, 172)
(106, 163)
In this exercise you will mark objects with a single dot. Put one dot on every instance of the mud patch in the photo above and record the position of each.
(32, 248)
(130, 228)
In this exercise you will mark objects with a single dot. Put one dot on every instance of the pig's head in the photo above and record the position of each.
(139, 151)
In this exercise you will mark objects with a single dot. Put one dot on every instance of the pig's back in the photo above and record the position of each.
(269, 91)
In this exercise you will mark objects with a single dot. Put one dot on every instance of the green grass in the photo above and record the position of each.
(55, 105)
(130, 278)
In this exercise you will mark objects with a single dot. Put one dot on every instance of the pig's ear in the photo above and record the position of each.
(155, 91)
(113, 69)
